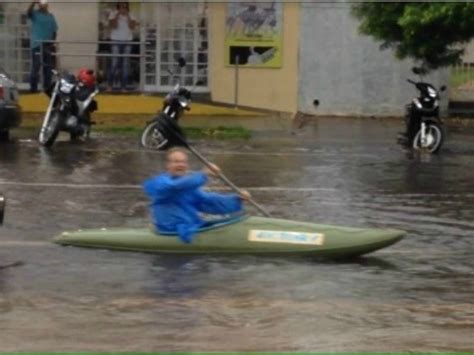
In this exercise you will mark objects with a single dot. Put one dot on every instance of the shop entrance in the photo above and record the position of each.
(173, 31)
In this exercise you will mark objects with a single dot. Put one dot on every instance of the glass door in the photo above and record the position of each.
(174, 31)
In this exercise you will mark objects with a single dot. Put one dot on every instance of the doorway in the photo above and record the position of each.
(173, 31)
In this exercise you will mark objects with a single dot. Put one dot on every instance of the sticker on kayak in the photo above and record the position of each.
(256, 235)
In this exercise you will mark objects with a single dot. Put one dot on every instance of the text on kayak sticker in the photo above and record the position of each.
(256, 235)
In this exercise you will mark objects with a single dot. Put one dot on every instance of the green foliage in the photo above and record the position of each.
(433, 34)
(191, 132)
(460, 76)
(218, 132)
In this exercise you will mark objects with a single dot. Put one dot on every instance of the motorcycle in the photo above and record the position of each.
(70, 106)
(163, 130)
(423, 123)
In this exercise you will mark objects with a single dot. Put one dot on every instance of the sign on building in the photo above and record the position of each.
(254, 34)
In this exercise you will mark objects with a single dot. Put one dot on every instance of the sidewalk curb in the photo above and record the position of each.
(134, 104)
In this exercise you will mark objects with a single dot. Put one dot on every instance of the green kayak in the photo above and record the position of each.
(243, 235)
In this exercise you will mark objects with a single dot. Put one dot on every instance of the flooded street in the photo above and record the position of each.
(417, 295)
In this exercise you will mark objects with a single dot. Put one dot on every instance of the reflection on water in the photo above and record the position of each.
(414, 296)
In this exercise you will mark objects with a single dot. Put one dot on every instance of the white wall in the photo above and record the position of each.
(347, 72)
(77, 21)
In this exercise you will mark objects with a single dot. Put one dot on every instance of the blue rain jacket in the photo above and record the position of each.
(177, 200)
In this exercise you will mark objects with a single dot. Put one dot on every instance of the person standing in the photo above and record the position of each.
(121, 23)
(43, 28)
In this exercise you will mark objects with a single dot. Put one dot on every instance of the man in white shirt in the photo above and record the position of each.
(121, 23)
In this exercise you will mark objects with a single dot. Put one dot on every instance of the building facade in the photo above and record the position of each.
(347, 72)
(279, 56)
(165, 32)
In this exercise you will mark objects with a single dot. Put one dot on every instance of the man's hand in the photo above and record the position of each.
(29, 12)
(212, 170)
(245, 195)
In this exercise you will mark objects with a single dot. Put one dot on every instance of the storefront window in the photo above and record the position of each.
(173, 31)
(113, 27)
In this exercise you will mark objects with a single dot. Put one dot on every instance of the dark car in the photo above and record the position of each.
(10, 111)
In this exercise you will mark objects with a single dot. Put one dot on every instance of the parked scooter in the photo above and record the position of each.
(423, 124)
(70, 107)
(158, 133)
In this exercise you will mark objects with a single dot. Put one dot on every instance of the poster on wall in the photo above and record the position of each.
(254, 34)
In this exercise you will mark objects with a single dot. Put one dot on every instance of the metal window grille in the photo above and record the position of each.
(177, 30)
(15, 54)
(171, 30)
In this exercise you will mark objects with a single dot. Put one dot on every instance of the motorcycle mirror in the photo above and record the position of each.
(181, 62)
(442, 88)
(316, 102)
(2, 208)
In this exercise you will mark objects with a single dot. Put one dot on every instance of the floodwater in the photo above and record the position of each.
(417, 295)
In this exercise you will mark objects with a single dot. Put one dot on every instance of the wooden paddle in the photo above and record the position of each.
(13, 264)
(183, 141)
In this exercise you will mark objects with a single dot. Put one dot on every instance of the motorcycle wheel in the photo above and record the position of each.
(50, 133)
(75, 136)
(4, 136)
(434, 139)
(153, 138)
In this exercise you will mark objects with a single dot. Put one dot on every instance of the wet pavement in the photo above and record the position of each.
(416, 295)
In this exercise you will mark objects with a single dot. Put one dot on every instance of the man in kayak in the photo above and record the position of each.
(177, 198)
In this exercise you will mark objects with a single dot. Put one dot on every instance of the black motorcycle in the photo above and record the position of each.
(70, 107)
(163, 130)
(423, 123)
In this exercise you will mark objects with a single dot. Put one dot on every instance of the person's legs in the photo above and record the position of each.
(127, 49)
(114, 61)
(35, 67)
(47, 66)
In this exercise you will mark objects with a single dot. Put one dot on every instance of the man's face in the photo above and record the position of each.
(177, 164)
(122, 8)
(43, 5)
